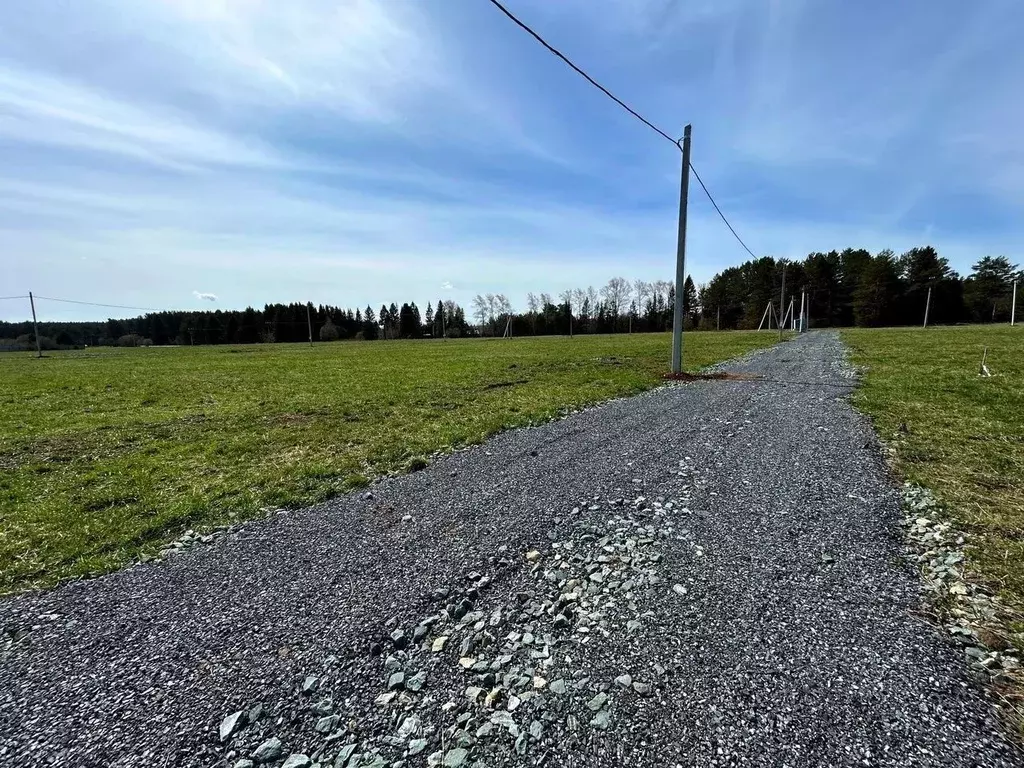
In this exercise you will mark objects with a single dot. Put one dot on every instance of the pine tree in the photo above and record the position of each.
(988, 289)
(440, 319)
(878, 291)
(689, 300)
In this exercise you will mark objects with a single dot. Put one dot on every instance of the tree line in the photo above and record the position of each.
(854, 287)
(274, 323)
(843, 288)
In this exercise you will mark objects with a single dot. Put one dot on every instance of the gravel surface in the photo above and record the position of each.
(708, 574)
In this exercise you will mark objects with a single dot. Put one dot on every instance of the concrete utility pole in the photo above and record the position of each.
(677, 318)
(927, 306)
(35, 325)
(718, 319)
(309, 322)
(782, 299)
(803, 310)
(1013, 305)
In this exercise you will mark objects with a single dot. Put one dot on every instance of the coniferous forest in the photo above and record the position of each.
(843, 288)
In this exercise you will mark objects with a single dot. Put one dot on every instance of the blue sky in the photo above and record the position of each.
(363, 151)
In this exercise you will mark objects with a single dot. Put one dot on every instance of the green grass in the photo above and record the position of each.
(957, 433)
(106, 454)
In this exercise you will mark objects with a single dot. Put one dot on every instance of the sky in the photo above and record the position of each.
(196, 154)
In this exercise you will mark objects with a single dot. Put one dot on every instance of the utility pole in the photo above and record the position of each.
(782, 299)
(803, 310)
(677, 318)
(1013, 305)
(718, 318)
(309, 322)
(35, 325)
(927, 306)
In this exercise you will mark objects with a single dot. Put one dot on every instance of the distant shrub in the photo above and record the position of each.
(329, 331)
(27, 342)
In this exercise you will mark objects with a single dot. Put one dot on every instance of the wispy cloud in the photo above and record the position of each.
(446, 286)
(362, 58)
(204, 296)
(45, 111)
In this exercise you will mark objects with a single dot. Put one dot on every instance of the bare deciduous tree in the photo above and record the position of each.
(616, 295)
(480, 309)
(502, 309)
(642, 289)
(579, 303)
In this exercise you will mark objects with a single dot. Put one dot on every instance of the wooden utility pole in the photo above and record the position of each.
(677, 318)
(309, 322)
(35, 325)
(718, 318)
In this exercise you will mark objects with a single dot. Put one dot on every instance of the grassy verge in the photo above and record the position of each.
(960, 435)
(106, 454)
(955, 432)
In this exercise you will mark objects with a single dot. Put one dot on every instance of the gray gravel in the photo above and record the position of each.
(708, 574)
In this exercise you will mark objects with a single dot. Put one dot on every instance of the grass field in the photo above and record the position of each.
(955, 432)
(106, 454)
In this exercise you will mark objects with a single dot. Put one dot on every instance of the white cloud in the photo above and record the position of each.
(359, 57)
(446, 286)
(41, 109)
(205, 296)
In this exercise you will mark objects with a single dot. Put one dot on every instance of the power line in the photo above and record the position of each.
(8, 298)
(583, 74)
(622, 104)
(94, 304)
(738, 238)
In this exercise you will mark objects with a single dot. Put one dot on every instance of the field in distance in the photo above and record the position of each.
(958, 433)
(106, 454)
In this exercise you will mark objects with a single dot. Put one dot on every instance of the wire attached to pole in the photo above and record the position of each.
(676, 142)
(583, 74)
(108, 306)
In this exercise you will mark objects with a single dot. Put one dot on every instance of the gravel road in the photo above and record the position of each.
(709, 574)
